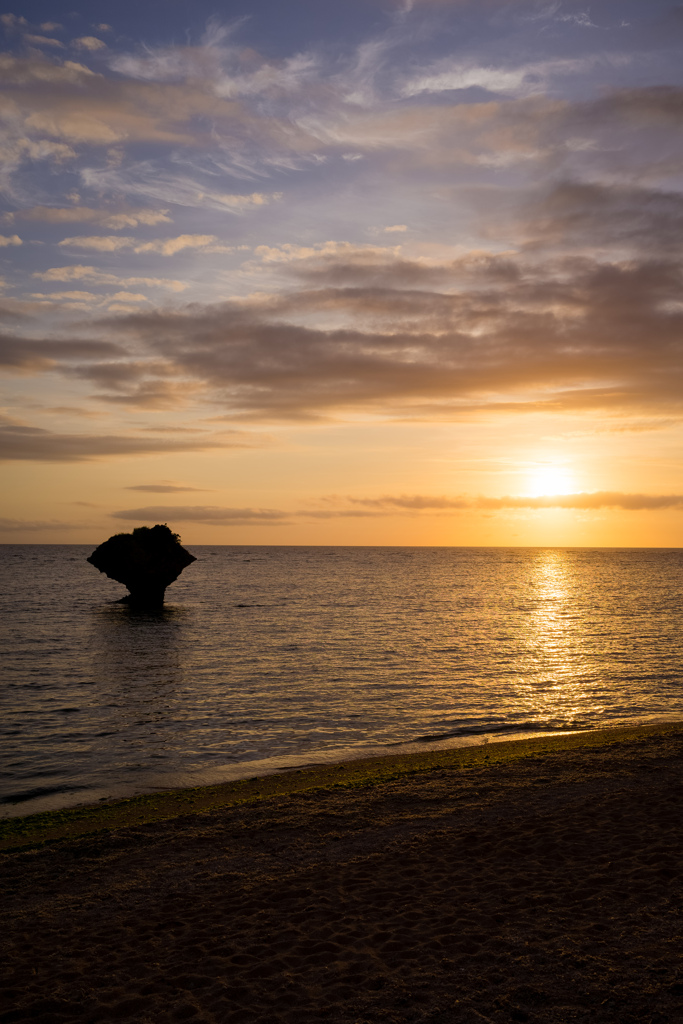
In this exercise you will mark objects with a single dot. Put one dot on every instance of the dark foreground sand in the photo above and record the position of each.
(542, 887)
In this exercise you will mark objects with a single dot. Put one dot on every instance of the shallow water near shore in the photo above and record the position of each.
(266, 658)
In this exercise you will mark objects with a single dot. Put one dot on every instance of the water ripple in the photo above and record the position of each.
(299, 652)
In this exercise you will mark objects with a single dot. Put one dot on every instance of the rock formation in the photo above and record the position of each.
(146, 561)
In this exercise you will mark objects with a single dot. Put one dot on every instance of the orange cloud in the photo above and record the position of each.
(479, 332)
(20, 442)
(581, 501)
(83, 214)
(210, 514)
(163, 246)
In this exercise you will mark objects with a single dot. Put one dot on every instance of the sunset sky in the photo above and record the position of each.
(368, 272)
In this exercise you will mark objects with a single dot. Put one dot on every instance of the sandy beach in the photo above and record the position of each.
(536, 881)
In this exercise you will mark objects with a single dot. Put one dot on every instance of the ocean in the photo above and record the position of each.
(269, 658)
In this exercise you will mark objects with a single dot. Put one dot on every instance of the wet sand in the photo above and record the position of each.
(537, 882)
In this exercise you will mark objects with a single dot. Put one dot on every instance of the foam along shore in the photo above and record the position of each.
(42, 827)
(531, 880)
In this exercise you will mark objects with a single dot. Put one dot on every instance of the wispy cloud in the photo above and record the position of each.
(211, 514)
(516, 79)
(224, 67)
(164, 488)
(35, 525)
(43, 41)
(149, 181)
(416, 503)
(19, 442)
(82, 273)
(163, 246)
(131, 218)
(405, 505)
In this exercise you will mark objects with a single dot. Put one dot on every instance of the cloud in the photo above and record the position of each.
(581, 501)
(448, 75)
(69, 103)
(312, 257)
(388, 505)
(72, 410)
(17, 150)
(19, 442)
(128, 297)
(435, 340)
(122, 307)
(148, 180)
(163, 246)
(26, 355)
(210, 514)
(411, 502)
(83, 214)
(639, 106)
(171, 246)
(12, 240)
(581, 310)
(228, 111)
(343, 513)
(91, 43)
(43, 41)
(78, 272)
(36, 72)
(215, 121)
(12, 22)
(76, 300)
(12, 309)
(34, 525)
(150, 392)
(101, 243)
(632, 218)
(232, 72)
(164, 488)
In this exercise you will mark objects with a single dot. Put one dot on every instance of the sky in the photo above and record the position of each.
(380, 272)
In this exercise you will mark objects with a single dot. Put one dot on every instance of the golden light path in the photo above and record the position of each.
(556, 642)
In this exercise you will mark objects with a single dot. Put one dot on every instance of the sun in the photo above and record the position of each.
(549, 479)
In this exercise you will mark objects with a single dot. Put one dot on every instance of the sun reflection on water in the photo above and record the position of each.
(311, 651)
(556, 685)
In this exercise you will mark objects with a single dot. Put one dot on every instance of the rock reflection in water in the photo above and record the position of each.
(286, 651)
(137, 670)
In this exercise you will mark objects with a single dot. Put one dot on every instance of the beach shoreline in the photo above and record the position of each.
(161, 804)
(210, 777)
(523, 881)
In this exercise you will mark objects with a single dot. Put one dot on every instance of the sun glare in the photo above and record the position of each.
(550, 480)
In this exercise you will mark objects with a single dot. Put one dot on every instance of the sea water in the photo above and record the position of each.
(267, 658)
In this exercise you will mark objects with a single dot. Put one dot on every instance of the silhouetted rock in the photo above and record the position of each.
(146, 561)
